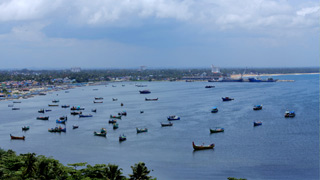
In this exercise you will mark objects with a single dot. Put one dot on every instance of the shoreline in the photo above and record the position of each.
(255, 75)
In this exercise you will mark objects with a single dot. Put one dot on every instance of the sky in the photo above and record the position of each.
(61, 34)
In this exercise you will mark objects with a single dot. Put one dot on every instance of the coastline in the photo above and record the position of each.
(255, 75)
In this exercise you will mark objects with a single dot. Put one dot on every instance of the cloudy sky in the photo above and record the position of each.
(159, 33)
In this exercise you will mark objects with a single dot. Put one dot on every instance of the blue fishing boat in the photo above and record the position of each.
(103, 132)
(289, 114)
(122, 138)
(257, 107)
(257, 123)
(214, 110)
(60, 121)
(141, 130)
(85, 115)
(111, 121)
(145, 92)
(173, 117)
(115, 125)
(227, 99)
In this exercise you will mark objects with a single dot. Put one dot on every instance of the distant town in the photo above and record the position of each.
(26, 83)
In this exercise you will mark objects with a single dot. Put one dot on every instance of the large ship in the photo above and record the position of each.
(258, 79)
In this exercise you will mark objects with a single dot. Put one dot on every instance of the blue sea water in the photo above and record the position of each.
(282, 148)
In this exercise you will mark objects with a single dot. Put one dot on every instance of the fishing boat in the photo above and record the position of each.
(209, 86)
(94, 110)
(155, 99)
(122, 138)
(65, 106)
(16, 101)
(141, 112)
(111, 121)
(141, 130)
(42, 94)
(173, 117)
(227, 99)
(103, 132)
(85, 115)
(63, 118)
(216, 130)
(123, 113)
(25, 128)
(15, 108)
(53, 105)
(10, 105)
(115, 117)
(289, 114)
(141, 85)
(60, 121)
(202, 147)
(55, 101)
(47, 110)
(145, 92)
(17, 137)
(98, 98)
(115, 125)
(166, 124)
(257, 123)
(43, 118)
(114, 99)
(78, 108)
(214, 110)
(257, 107)
(76, 113)
(57, 129)
(75, 126)
(97, 101)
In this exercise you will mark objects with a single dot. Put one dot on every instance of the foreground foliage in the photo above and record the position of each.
(29, 166)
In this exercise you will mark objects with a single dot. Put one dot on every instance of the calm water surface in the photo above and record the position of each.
(279, 149)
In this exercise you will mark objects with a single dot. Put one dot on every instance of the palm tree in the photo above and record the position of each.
(140, 172)
(113, 173)
(30, 163)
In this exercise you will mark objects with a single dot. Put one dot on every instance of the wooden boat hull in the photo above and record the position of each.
(17, 137)
(216, 130)
(166, 124)
(146, 99)
(42, 118)
(202, 147)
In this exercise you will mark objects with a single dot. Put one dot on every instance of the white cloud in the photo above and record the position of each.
(249, 15)
(309, 10)
(16, 10)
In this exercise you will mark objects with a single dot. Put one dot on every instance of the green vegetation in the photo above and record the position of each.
(29, 166)
(49, 76)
